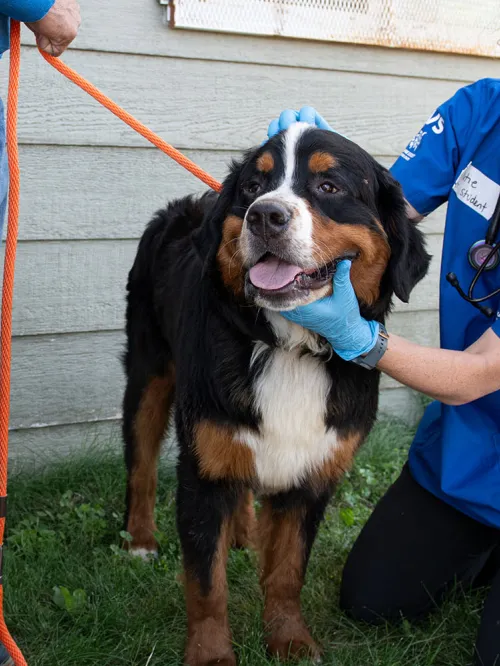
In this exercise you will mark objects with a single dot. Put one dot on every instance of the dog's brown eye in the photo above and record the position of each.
(327, 188)
(252, 188)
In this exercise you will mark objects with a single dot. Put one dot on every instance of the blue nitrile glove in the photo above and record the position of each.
(337, 318)
(306, 115)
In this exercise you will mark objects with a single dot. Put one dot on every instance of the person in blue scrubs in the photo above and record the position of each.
(55, 24)
(440, 521)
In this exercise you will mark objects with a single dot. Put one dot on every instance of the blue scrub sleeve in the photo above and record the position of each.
(26, 11)
(427, 167)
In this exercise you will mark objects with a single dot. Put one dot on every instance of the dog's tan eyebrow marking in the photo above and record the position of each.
(320, 161)
(265, 162)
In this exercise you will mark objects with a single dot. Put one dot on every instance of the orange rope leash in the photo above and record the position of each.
(132, 122)
(10, 256)
(7, 294)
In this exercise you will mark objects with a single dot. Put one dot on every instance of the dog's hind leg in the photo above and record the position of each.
(146, 411)
(287, 527)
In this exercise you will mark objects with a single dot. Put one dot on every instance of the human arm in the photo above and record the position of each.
(58, 28)
(54, 23)
(413, 214)
(453, 377)
(427, 171)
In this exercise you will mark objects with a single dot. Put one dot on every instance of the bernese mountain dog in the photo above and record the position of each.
(262, 405)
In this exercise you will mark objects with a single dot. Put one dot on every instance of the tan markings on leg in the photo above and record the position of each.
(244, 522)
(229, 258)
(220, 455)
(282, 577)
(338, 463)
(332, 239)
(320, 162)
(265, 162)
(149, 428)
(209, 635)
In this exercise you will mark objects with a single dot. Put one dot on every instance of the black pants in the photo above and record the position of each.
(412, 550)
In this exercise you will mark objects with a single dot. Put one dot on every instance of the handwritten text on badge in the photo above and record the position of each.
(477, 191)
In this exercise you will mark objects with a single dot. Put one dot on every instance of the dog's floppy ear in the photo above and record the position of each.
(409, 261)
(208, 237)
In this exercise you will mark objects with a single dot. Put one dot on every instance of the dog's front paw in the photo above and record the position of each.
(141, 542)
(289, 638)
(144, 554)
(209, 644)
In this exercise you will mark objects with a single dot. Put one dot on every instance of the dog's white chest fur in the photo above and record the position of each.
(290, 395)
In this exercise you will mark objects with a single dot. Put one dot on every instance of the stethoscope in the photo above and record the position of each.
(483, 256)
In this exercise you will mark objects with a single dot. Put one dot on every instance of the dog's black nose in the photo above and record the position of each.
(267, 218)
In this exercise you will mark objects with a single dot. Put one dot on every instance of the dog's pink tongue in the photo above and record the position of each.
(273, 273)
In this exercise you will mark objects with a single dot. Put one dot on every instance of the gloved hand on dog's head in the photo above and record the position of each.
(337, 318)
(306, 115)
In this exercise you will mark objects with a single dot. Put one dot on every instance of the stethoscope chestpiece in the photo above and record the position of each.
(478, 253)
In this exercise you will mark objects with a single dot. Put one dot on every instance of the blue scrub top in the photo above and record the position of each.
(456, 158)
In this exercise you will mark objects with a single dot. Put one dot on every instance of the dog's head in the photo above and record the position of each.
(299, 204)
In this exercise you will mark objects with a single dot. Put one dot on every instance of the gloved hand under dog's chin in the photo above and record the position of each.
(337, 318)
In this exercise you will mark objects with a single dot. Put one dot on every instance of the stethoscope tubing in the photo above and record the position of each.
(491, 240)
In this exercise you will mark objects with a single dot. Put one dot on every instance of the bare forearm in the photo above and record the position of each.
(449, 376)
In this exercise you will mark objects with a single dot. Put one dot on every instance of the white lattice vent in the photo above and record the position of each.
(458, 26)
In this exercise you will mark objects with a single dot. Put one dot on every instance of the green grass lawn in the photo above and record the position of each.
(73, 597)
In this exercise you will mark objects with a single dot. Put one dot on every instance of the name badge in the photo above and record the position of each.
(477, 191)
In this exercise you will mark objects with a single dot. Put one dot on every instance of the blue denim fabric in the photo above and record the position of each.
(5, 659)
(4, 40)
(4, 170)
